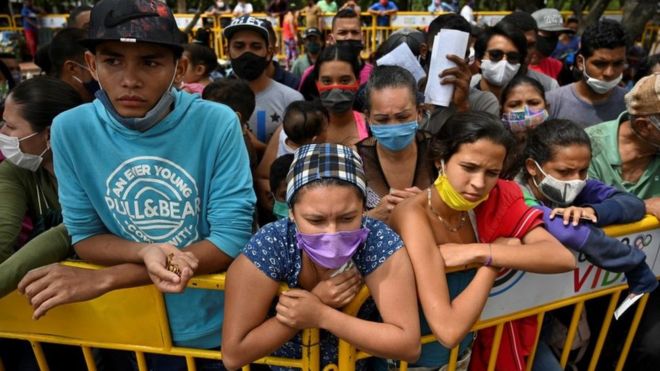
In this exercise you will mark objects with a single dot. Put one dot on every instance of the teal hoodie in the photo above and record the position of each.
(184, 180)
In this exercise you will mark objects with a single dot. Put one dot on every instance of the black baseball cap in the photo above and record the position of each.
(312, 31)
(248, 23)
(132, 21)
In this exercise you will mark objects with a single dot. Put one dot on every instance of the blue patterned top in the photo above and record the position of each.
(273, 249)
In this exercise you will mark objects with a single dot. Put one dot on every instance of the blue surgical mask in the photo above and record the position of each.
(280, 209)
(394, 137)
(151, 118)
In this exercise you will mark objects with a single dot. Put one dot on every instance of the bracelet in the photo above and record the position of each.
(489, 261)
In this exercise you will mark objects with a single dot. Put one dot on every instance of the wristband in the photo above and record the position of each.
(489, 261)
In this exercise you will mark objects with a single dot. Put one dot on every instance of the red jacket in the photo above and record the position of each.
(505, 214)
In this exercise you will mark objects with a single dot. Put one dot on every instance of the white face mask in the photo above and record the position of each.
(599, 86)
(11, 149)
(561, 192)
(498, 73)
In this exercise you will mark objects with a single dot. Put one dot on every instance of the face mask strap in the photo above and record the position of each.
(28, 137)
(353, 87)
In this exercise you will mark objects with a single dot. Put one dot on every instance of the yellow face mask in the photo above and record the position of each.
(451, 197)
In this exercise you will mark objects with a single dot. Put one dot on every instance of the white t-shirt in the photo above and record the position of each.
(243, 8)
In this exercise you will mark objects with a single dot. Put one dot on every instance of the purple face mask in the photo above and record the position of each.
(331, 250)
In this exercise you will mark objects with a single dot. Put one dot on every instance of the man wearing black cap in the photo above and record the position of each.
(153, 182)
(313, 39)
(250, 53)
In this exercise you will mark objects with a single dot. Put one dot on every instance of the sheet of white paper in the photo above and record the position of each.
(402, 56)
(445, 42)
(630, 300)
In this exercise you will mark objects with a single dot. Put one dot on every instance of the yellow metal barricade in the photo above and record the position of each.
(6, 24)
(372, 33)
(349, 355)
(118, 320)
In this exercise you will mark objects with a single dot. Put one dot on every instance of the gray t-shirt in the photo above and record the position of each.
(269, 109)
(566, 104)
(482, 101)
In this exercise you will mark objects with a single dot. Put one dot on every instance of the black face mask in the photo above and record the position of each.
(249, 66)
(355, 46)
(337, 100)
(546, 44)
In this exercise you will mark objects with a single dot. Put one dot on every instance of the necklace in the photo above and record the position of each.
(451, 228)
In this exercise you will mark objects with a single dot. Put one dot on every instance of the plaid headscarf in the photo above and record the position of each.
(314, 162)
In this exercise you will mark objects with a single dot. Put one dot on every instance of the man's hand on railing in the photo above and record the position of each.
(653, 206)
(299, 309)
(169, 268)
(55, 284)
(339, 290)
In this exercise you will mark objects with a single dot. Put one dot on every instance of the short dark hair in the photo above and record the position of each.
(605, 34)
(451, 21)
(504, 29)
(542, 140)
(337, 53)
(521, 80)
(201, 54)
(469, 127)
(523, 20)
(396, 39)
(42, 98)
(303, 120)
(76, 12)
(646, 65)
(344, 13)
(278, 171)
(65, 46)
(235, 93)
(42, 59)
(390, 77)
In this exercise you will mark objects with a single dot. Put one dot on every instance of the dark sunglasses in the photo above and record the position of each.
(496, 55)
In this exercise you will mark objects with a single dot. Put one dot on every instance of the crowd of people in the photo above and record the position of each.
(327, 173)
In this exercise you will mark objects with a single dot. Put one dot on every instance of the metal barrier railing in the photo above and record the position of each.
(118, 321)
(93, 324)
(349, 355)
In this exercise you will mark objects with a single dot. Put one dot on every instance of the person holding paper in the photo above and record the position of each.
(395, 160)
(464, 97)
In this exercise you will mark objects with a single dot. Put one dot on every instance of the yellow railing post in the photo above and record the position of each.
(311, 350)
(39, 355)
(530, 359)
(572, 331)
(89, 358)
(453, 358)
(603, 331)
(631, 332)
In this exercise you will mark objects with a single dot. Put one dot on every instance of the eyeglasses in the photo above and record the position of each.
(496, 55)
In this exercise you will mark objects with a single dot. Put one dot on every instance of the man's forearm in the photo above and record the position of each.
(123, 276)
(108, 249)
(211, 258)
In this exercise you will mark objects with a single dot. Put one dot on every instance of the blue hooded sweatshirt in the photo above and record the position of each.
(184, 180)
